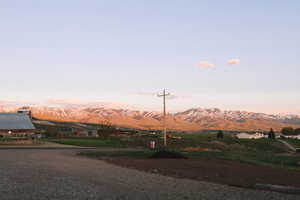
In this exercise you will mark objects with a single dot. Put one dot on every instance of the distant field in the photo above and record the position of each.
(89, 142)
(207, 140)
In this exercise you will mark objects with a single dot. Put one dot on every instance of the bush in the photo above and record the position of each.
(164, 153)
(287, 131)
(220, 135)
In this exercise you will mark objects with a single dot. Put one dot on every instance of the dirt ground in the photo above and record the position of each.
(216, 171)
(62, 175)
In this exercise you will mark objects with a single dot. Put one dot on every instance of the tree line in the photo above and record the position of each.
(290, 131)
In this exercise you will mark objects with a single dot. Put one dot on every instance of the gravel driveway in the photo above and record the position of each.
(60, 174)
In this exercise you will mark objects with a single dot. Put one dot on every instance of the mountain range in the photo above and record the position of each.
(194, 119)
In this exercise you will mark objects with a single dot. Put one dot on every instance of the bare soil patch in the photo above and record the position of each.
(216, 171)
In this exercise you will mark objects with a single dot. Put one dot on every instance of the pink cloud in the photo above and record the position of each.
(72, 102)
(205, 64)
(233, 61)
(16, 103)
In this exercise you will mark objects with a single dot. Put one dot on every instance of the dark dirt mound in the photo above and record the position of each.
(168, 154)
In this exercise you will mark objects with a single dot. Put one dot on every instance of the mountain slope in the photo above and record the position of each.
(190, 120)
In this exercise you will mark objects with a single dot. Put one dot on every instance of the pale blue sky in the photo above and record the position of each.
(109, 50)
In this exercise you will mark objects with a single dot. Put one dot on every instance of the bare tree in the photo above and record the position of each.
(106, 128)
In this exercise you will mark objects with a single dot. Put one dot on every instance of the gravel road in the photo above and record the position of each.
(60, 174)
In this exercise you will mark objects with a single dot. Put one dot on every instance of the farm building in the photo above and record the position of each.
(86, 132)
(16, 124)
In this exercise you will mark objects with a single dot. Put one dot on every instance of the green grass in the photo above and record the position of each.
(208, 140)
(294, 142)
(89, 142)
(10, 139)
(258, 158)
(263, 145)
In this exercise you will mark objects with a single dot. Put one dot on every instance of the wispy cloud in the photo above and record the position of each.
(145, 93)
(205, 64)
(16, 103)
(72, 102)
(233, 61)
(170, 96)
(8, 102)
(178, 97)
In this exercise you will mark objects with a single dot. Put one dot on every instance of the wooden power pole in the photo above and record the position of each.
(164, 95)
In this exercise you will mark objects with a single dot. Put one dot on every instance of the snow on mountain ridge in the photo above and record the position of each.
(192, 114)
(229, 114)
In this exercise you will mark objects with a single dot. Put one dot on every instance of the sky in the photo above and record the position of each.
(233, 55)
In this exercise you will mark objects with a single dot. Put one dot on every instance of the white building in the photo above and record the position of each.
(250, 136)
(293, 136)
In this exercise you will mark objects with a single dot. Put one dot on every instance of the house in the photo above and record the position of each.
(293, 136)
(16, 124)
(86, 132)
(250, 136)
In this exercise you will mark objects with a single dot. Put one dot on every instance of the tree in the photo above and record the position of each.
(271, 134)
(287, 131)
(220, 135)
(297, 131)
(106, 128)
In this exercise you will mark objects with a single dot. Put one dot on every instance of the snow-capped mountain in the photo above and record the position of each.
(192, 119)
(215, 113)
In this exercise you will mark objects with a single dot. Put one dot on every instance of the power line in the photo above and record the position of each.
(164, 95)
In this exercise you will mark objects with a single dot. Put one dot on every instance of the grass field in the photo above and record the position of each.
(295, 143)
(89, 142)
(258, 152)
(188, 140)
(16, 141)
(12, 138)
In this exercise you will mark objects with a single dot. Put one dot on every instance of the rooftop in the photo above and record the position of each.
(15, 121)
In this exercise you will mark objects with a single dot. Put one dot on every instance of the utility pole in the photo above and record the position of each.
(164, 95)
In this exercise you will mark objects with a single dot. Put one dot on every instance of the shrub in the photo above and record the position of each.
(297, 131)
(287, 131)
(220, 135)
